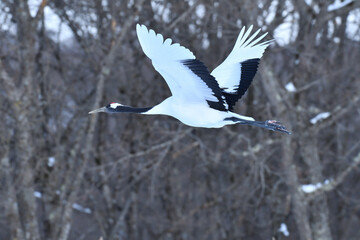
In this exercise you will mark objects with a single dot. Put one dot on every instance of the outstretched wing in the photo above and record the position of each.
(186, 77)
(236, 73)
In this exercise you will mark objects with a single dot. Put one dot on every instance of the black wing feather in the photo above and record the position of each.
(248, 71)
(199, 69)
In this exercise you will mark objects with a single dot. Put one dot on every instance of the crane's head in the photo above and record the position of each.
(110, 108)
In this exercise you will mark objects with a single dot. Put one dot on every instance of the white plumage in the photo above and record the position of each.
(228, 71)
(201, 99)
(166, 59)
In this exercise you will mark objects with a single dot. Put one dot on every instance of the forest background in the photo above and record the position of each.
(67, 175)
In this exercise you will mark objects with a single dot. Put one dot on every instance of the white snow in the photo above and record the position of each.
(308, 2)
(287, 31)
(205, 41)
(37, 194)
(6, 24)
(283, 229)
(314, 5)
(190, 2)
(130, 3)
(353, 25)
(105, 4)
(270, 15)
(290, 87)
(75, 206)
(239, 23)
(319, 117)
(316, 8)
(200, 11)
(338, 4)
(82, 209)
(34, 6)
(331, 28)
(52, 21)
(219, 32)
(309, 188)
(161, 10)
(282, 34)
(192, 28)
(338, 20)
(51, 161)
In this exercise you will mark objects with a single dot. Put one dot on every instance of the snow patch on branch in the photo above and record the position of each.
(352, 25)
(319, 117)
(309, 188)
(308, 2)
(162, 10)
(283, 229)
(200, 11)
(338, 4)
(37, 194)
(82, 209)
(75, 206)
(51, 161)
(205, 41)
(290, 87)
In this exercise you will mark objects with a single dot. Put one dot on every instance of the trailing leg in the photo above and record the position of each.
(268, 124)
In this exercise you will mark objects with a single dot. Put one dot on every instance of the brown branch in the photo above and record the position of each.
(183, 15)
(275, 95)
(338, 112)
(40, 11)
(9, 85)
(104, 73)
(24, 172)
(12, 209)
(145, 152)
(120, 220)
(338, 12)
(337, 181)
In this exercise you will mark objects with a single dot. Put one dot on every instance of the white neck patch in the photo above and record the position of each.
(114, 105)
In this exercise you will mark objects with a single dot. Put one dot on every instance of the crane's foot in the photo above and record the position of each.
(268, 124)
(276, 126)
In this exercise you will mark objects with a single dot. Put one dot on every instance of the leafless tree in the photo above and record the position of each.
(68, 175)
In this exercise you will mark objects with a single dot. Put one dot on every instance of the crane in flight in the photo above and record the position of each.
(200, 98)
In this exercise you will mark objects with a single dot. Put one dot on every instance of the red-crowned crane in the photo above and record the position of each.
(200, 98)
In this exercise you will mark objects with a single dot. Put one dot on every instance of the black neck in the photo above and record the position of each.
(127, 109)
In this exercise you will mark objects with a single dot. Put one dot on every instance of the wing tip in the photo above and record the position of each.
(152, 42)
(140, 29)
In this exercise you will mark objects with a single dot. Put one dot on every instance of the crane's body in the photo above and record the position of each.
(194, 114)
(200, 98)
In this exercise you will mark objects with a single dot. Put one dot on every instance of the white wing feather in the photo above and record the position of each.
(156, 48)
(228, 72)
(166, 59)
